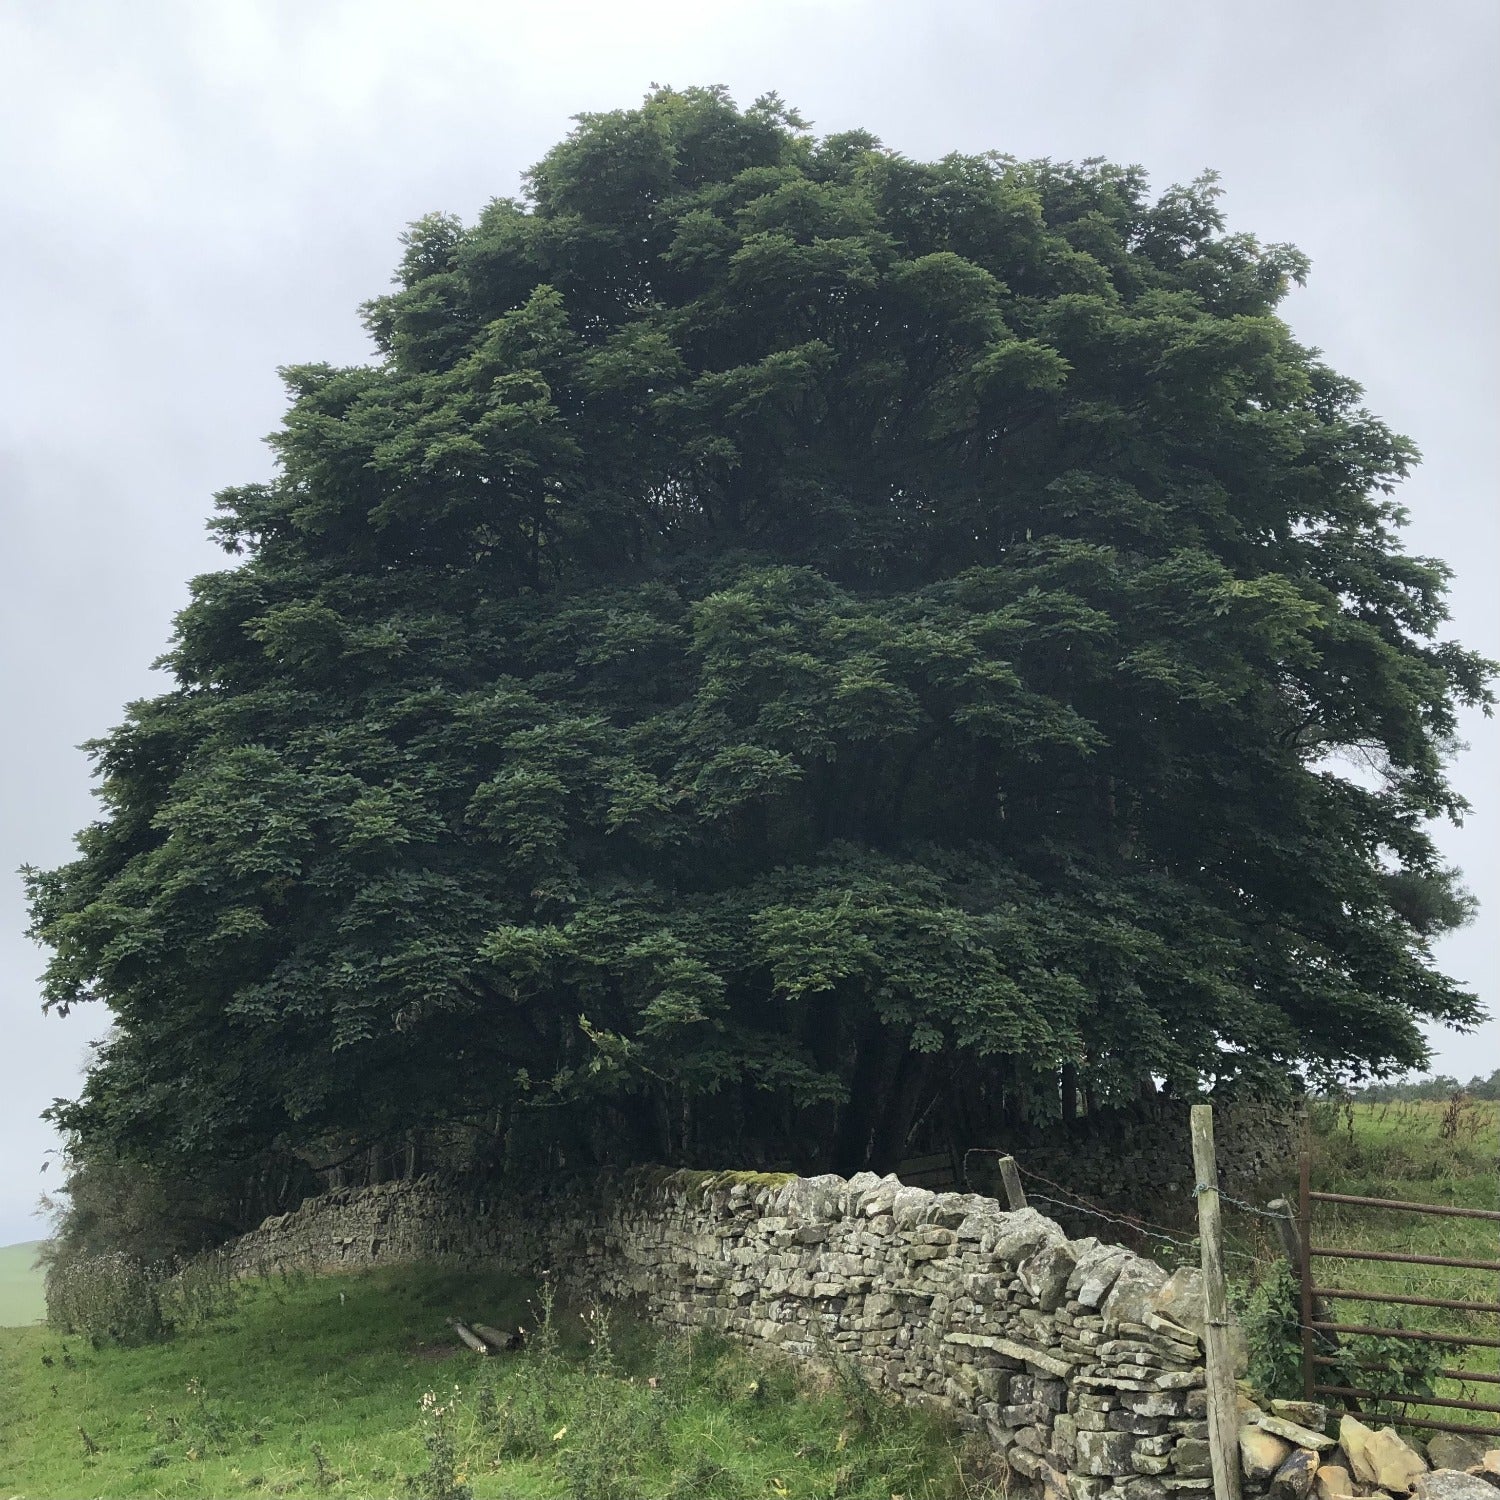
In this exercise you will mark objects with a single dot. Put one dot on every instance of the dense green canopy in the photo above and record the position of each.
(791, 651)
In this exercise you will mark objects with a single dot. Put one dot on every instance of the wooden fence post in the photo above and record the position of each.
(1223, 1418)
(1015, 1194)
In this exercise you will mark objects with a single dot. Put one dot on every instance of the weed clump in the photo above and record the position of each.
(199, 1290)
(110, 1296)
(443, 1478)
(116, 1297)
(1270, 1314)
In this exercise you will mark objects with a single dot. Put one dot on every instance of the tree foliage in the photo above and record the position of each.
(1443, 1086)
(787, 647)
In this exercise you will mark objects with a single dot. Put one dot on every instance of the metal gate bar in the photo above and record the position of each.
(1411, 1208)
(1334, 1253)
(1423, 1335)
(1354, 1294)
(1476, 1375)
(1345, 1390)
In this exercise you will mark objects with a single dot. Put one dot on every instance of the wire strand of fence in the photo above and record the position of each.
(1188, 1247)
(1239, 1203)
(1148, 1227)
(1073, 1202)
(1144, 1224)
(1130, 1224)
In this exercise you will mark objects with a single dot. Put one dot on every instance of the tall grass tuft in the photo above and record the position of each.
(199, 1291)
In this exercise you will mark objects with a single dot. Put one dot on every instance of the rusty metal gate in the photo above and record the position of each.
(1320, 1330)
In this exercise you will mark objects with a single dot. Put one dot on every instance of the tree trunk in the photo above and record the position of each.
(823, 1040)
(857, 1121)
(888, 1145)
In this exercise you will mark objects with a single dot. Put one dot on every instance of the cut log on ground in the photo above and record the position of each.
(469, 1337)
(498, 1340)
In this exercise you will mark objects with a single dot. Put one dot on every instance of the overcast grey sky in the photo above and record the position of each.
(196, 192)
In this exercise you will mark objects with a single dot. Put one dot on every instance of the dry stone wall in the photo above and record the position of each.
(1078, 1359)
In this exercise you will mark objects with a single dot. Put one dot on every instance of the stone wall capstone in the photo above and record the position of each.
(1081, 1361)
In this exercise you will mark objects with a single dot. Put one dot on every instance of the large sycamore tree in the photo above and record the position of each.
(789, 652)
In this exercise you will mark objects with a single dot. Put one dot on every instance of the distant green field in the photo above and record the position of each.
(21, 1299)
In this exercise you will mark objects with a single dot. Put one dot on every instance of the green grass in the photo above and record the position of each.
(354, 1385)
(21, 1300)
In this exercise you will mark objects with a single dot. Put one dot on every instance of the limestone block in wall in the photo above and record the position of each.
(912, 1207)
(1017, 1235)
(1106, 1453)
(812, 1199)
(1094, 1275)
(1134, 1294)
(1180, 1305)
(1045, 1274)
(878, 1199)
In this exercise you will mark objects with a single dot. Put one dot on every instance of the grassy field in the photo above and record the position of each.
(21, 1300)
(354, 1385)
(1425, 1152)
(1429, 1151)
